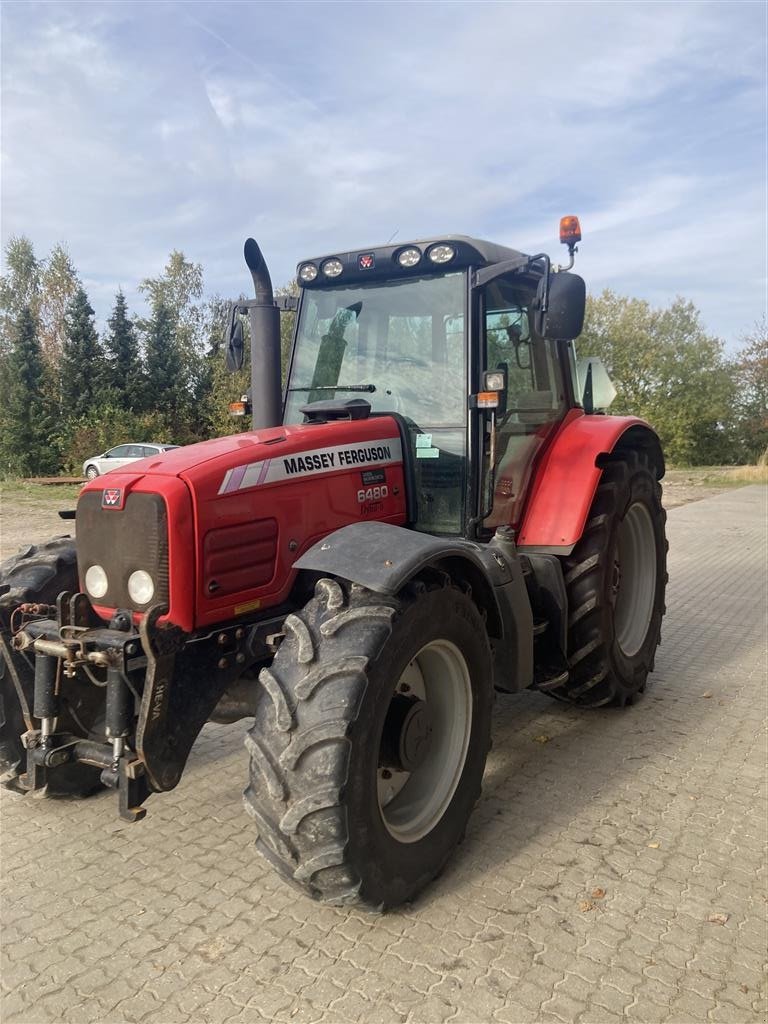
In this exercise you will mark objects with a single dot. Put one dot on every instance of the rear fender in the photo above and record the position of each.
(384, 558)
(567, 477)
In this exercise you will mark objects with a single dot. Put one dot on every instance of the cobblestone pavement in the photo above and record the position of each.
(586, 889)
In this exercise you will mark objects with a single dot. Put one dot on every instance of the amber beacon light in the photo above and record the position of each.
(570, 230)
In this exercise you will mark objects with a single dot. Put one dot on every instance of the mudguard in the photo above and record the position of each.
(566, 479)
(384, 558)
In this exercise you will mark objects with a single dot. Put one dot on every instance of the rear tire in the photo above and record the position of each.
(616, 579)
(331, 815)
(38, 574)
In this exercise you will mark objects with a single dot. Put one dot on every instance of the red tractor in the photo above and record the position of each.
(431, 511)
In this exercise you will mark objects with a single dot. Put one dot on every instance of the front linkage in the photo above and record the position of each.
(133, 700)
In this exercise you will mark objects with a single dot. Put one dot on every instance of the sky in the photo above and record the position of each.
(132, 129)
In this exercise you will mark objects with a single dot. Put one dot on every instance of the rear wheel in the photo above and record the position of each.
(38, 574)
(370, 740)
(616, 579)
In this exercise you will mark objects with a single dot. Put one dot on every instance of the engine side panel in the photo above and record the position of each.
(255, 515)
(566, 479)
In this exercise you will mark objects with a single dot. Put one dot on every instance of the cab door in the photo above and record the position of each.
(536, 400)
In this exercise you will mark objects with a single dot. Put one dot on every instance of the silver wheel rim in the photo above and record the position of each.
(412, 803)
(634, 579)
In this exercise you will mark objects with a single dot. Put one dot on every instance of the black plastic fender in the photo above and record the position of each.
(383, 558)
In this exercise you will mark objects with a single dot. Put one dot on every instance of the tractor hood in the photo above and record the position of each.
(248, 506)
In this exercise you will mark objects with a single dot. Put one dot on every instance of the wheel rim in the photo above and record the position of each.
(92, 473)
(634, 579)
(412, 803)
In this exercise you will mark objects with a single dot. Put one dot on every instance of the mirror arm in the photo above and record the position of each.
(485, 274)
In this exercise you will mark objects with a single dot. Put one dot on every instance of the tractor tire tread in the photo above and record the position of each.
(302, 831)
(594, 680)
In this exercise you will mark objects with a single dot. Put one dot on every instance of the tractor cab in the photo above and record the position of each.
(456, 336)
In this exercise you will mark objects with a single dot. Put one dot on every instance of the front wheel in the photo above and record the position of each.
(370, 740)
(37, 575)
(91, 473)
(616, 579)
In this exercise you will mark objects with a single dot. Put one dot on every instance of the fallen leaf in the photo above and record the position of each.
(598, 894)
(542, 739)
(586, 905)
(718, 918)
(653, 846)
(744, 988)
(706, 694)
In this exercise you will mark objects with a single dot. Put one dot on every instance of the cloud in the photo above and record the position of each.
(129, 130)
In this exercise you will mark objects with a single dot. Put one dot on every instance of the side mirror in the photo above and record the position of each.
(235, 347)
(564, 318)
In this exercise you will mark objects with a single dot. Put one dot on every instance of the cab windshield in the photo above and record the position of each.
(399, 345)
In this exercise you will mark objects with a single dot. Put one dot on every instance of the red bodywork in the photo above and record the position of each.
(566, 478)
(248, 508)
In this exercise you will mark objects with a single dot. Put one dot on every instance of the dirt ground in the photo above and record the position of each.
(29, 511)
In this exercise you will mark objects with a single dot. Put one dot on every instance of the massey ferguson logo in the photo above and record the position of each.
(112, 498)
(367, 261)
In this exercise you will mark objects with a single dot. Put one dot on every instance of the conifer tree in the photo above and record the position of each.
(163, 384)
(25, 447)
(82, 359)
(122, 372)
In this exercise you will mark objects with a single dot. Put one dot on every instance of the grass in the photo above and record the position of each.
(21, 490)
(717, 476)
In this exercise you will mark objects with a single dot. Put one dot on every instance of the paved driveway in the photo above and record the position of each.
(614, 868)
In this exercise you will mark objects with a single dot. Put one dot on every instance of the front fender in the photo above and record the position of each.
(566, 479)
(383, 558)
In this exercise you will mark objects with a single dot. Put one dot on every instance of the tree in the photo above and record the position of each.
(25, 447)
(58, 286)
(751, 373)
(82, 360)
(667, 370)
(123, 376)
(177, 292)
(164, 387)
(19, 287)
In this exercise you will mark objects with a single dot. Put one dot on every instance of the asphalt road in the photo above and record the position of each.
(614, 870)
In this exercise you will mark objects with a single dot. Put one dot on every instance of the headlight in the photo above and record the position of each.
(308, 272)
(141, 587)
(441, 253)
(332, 268)
(96, 582)
(409, 257)
(494, 381)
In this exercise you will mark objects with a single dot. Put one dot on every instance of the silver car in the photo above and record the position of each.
(121, 456)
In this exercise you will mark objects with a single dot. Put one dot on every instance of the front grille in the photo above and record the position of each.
(135, 537)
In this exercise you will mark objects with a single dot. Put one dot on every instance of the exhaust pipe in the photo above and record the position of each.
(264, 316)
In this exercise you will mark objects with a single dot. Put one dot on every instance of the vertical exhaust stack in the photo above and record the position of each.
(266, 388)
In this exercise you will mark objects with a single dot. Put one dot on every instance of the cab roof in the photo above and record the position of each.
(357, 264)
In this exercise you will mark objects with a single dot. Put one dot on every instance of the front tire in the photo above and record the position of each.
(38, 574)
(91, 473)
(370, 740)
(616, 579)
